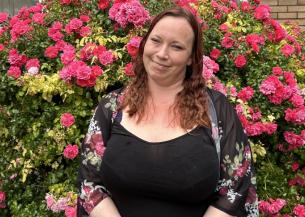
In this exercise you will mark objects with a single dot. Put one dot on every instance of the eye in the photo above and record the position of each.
(177, 47)
(155, 40)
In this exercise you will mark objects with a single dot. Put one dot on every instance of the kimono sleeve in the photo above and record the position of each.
(89, 180)
(236, 190)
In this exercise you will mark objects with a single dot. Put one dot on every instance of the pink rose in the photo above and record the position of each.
(2, 200)
(246, 93)
(277, 70)
(51, 52)
(240, 61)
(299, 210)
(38, 18)
(84, 18)
(14, 72)
(71, 151)
(129, 70)
(50, 200)
(245, 6)
(3, 17)
(295, 166)
(215, 53)
(133, 45)
(106, 58)
(262, 12)
(65, 2)
(287, 50)
(67, 119)
(1, 47)
(227, 42)
(70, 211)
(103, 4)
(85, 31)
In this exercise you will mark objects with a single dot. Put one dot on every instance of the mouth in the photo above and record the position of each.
(160, 64)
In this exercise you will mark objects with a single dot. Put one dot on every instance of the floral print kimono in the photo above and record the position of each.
(232, 183)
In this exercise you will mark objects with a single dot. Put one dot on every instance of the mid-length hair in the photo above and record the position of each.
(190, 106)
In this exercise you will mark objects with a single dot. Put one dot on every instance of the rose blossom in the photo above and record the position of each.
(287, 50)
(215, 53)
(128, 69)
(246, 93)
(70, 211)
(84, 18)
(129, 12)
(245, 6)
(32, 66)
(227, 42)
(67, 119)
(2, 200)
(133, 46)
(262, 12)
(38, 18)
(296, 116)
(295, 166)
(106, 57)
(240, 61)
(299, 210)
(3, 17)
(51, 52)
(14, 72)
(71, 151)
(103, 4)
(65, 2)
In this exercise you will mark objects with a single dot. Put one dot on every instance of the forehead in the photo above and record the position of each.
(174, 28)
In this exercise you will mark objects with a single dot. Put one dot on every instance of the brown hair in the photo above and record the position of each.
(191, 102)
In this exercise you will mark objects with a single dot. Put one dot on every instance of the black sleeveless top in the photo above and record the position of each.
(173, 178)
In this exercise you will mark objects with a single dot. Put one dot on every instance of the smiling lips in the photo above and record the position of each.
(160, 65)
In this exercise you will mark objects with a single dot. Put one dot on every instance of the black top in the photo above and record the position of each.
(178, 177)
(171, 179)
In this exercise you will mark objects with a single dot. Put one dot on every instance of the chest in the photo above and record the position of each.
(155, 127)
(185, 167)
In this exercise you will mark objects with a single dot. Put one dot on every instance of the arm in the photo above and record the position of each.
(235, 193)
(94, 198)
(214, 212)
(106, 208)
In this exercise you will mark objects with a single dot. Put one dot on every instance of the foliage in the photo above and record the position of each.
(60, 56)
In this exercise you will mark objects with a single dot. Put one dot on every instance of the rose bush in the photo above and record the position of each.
(59, 56)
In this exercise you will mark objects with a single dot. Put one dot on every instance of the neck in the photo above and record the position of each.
(161, 94)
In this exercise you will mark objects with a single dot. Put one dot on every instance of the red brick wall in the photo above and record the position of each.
(287, 10)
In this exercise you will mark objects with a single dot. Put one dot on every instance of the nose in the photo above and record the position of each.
(163, 52)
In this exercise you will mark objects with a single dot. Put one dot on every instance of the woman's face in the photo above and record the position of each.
(168, 50)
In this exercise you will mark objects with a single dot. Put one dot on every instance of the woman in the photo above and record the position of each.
(161, 158)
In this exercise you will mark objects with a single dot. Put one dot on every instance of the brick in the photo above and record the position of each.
(301, 15)
(288, 2)
(270, 2)
(287, 15)
(274, 15)
(301, 22)
(296, 8)
(279, 9)
(301, 2)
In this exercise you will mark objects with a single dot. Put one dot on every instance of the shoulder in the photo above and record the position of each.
(111, 100)
(217, 96)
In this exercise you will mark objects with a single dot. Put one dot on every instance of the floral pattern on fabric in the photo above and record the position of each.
(91, 189)
(235, 192)
(90, 195)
